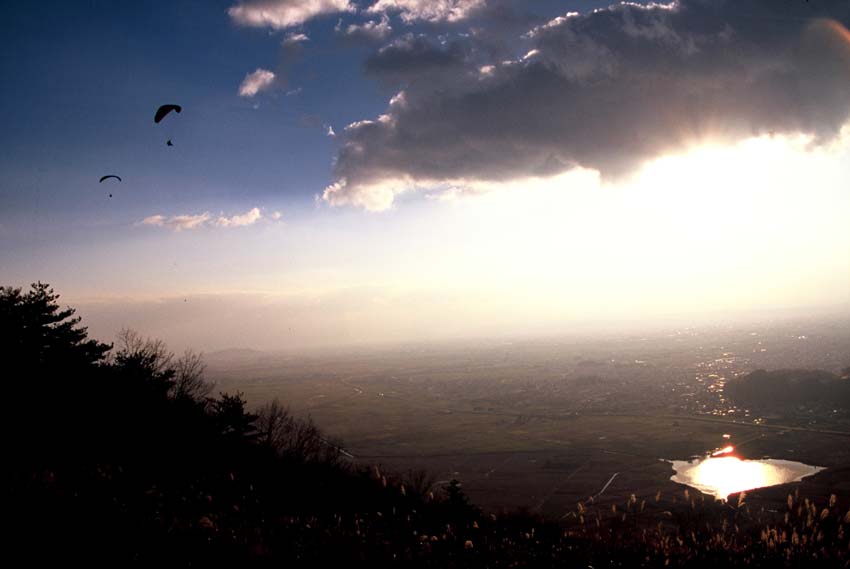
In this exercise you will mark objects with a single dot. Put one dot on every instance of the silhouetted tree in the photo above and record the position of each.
(36, 332)
(145, 362)
(150, 361)
(456, 496)
(296, 439)
(232, 420)
(50, 365)
(189, 381)
(275, 425)
(418, 482)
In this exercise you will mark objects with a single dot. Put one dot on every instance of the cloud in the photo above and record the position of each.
(413, 57)
(240, 220)
(281, 14)
(608, 90)
(197, 221)
(429, 10)
(372, 30)
(295, 38)
(259, 80)
(178, 222)
(371, 197)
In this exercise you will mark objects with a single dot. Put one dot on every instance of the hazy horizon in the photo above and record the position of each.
(267, 325)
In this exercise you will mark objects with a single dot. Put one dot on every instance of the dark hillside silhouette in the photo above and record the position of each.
(120, 456)
(124, 456)
(790, 388)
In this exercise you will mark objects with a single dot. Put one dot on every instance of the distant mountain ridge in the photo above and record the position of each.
(234, 355)
(234, 352)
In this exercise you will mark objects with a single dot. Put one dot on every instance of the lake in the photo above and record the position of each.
(722, 473)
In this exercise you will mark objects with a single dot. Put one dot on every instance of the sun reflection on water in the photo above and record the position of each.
(721, 474)
(725, 450)
(729, 474)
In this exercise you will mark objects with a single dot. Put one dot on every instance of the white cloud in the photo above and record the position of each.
(530, 54)
(281, 14)
(371, 30)
(197, 221)
(295, 38)
(255, 82)
(371, 197)
(359, 124)
(153, 220)
(240, 220)
(178, 222)
(428, 10)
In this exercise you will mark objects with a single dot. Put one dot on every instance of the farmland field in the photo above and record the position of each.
(542, 424)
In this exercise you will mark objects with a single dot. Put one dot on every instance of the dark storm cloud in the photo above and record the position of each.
(606, 90)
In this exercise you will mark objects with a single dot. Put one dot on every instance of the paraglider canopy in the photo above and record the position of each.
(109, 176)
(164, 110)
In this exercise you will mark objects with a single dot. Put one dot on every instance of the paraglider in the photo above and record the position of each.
(164, 110)
(102, 178)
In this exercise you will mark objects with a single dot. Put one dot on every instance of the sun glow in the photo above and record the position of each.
(671, 238)
(729, 474)
(722, 475)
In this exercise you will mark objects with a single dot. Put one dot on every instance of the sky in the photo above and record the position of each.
(366, 171)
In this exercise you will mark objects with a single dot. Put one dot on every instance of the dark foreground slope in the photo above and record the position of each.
(120, 456)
